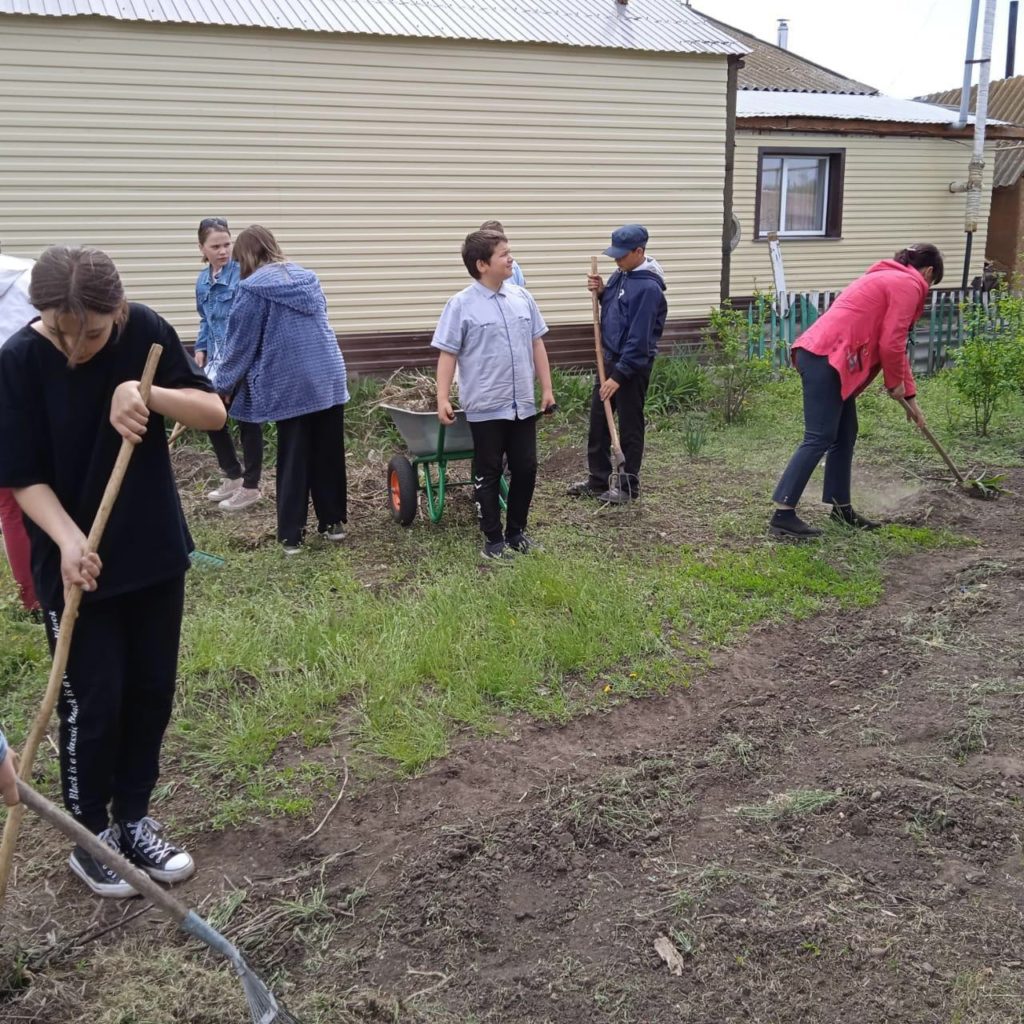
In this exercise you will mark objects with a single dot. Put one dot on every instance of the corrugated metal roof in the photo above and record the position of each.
(1005, 101)
(854, 108)
(665, 26)
(769, 67)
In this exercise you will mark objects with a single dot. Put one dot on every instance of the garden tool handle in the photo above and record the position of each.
(72, 600)
(599, 350)
(139, 880)
(935, 443)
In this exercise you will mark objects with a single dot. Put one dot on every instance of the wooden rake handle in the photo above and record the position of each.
(935, 444)
(620, 460)
(67, 624)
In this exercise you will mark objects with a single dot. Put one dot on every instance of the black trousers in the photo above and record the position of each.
(251, 435)
(311, 463)
(115, 700)
(830, 429)
(628, 402)
(494, 441)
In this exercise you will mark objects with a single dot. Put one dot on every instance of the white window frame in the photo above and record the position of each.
(784, 157)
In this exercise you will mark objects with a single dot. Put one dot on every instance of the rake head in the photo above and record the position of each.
(263, 1006)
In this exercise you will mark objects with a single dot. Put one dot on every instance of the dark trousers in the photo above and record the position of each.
(115, 700)
(628, 402)
(311, 463)
(251, 435)
(830, 429)
(494, 441)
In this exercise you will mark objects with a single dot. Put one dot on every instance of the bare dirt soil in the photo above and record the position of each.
(827, 826)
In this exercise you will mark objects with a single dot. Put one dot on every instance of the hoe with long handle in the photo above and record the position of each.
(617, 457)
(67, 625)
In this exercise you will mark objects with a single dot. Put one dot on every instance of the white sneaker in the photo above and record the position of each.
(226, 489)
(242, 498)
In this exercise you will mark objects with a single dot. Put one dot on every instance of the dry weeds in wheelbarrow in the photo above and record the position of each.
(415, 390)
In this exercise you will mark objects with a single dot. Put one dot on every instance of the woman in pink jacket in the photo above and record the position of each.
(863, 332)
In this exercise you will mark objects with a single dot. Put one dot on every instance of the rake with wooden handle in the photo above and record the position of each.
(976, 487)
(617, 457)
(72, 600)
(265, 1009)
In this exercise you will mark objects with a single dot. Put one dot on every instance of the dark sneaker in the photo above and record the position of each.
(292, 547)
(615, 496)
(496, 550)
(521, 544)
(97, 876)
(845, 515)
(787, 525)
(582, 489)
(333, 531)
(142, 844)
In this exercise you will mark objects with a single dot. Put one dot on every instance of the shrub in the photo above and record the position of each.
(989, 364)
(734, 373)
(678, 383)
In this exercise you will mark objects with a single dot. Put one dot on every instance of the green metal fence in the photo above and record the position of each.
(931, 342)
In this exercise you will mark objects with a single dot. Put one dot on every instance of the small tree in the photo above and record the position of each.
(735, 372)
(989, 365)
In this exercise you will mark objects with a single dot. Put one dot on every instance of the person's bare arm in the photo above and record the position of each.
(446, 363)
(193, 407)
(78, 567)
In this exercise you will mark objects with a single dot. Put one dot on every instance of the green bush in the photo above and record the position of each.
(678, 384)
(989, 365)
(735, 375)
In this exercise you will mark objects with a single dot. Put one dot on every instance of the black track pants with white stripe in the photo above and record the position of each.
(115, 700)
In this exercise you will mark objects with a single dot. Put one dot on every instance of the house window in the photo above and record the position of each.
(800, 193)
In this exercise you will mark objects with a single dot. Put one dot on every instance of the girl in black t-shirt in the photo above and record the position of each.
(69, 392)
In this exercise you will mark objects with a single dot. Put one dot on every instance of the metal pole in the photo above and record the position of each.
(972, 32)
(967, 259)
(1011, 39)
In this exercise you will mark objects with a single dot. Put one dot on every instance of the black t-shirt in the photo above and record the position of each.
(55, 429)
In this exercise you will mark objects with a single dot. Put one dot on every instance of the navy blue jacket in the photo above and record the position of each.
(633, 311)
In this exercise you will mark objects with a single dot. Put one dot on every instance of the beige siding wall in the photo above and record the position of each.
(896, 191)
(370, 158)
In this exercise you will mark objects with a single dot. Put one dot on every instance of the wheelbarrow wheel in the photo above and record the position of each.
(402, 490)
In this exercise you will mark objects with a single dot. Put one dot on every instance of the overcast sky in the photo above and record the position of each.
(901, 47)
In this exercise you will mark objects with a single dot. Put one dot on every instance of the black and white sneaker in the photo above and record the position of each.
(333, 531)
(521, 544)
(142, 844)
(97, 876)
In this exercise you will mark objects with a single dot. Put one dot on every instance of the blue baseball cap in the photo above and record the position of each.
(626, 239)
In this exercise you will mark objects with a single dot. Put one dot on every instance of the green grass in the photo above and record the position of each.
(391, 647)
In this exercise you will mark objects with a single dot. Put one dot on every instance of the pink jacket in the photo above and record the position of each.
(865, 329)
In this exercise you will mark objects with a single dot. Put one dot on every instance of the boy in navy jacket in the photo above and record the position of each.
(633, 311)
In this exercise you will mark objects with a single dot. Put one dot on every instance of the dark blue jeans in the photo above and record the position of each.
(830, 429)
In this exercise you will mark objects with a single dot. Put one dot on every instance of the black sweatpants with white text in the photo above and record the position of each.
(115, 700)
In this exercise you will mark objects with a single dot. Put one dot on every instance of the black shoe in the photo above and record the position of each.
(333, 531)
(787, 525)
(845, 515)
(615, 496)
(97, 876)
(496, 551)
(582, 489)
(142, 844)
(521, 544)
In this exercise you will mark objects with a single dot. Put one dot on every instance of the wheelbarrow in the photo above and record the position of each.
(432, 446)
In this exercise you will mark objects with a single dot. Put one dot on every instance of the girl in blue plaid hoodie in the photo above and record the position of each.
(281, 362)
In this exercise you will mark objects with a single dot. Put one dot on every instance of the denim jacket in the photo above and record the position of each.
(213, 303)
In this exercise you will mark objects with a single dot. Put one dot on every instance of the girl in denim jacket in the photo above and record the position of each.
(215, 291)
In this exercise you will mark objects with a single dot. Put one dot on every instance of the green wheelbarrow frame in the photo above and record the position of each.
(427, 469)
